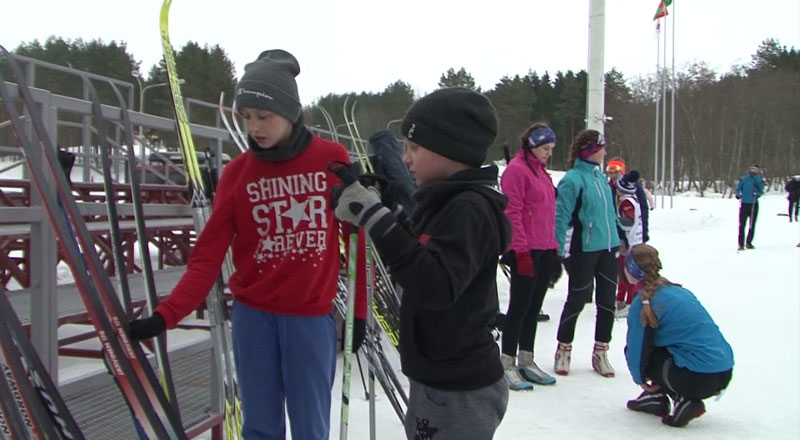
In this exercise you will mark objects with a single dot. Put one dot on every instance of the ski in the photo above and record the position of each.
(161, 353)
(376, 358)
(111, 199)
(215, 302)
(126, 361)
(348, 329)
(47, 404)
(386, 303)
(14, 420)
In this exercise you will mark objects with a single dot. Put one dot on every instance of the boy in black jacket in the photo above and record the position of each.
(446, 264)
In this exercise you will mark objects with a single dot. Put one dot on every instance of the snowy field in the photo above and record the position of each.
(753, 296)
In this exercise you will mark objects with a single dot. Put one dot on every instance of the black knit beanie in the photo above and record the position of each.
(456, 122)
(268, 84)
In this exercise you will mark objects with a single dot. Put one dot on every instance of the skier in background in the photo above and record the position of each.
(793, 189)
(272, 207)
(615, 169)
(586, 204)
(748, 190)
(674, 349)
(629, 213)
(531, 255)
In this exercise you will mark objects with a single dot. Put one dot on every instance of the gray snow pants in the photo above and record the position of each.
(435, 414)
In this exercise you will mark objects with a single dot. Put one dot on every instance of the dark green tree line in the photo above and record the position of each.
(723, 122)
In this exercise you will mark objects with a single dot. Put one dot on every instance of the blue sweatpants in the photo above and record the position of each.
(284, 362)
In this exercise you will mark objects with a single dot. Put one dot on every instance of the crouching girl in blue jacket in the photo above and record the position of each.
(674, 349)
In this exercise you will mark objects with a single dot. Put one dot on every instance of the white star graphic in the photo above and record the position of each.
(267, 244)
(297, 212)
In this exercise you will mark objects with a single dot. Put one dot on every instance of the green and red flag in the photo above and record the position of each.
(662, 9)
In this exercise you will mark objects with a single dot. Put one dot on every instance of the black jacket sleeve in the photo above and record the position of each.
(436, 267)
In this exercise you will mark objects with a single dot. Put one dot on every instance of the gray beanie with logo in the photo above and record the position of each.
(268, 84)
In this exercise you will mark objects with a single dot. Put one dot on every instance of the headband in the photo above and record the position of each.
(541, 136)
(632, 267)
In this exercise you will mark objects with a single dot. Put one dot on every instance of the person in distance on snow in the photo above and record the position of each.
(793, 189)
(674, 349)
(615, 169)
(629, 213)
(748, 190)
(273, 208)
(446, 265)
(531, 255)
(585, 204)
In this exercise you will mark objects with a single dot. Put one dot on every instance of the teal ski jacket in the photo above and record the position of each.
(585, 202)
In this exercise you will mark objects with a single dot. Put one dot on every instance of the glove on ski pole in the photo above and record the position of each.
(139, 329)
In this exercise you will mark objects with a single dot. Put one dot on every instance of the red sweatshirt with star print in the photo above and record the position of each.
(278, 220)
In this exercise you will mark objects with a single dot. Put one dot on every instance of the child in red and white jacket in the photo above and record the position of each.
(273, 209)
(629, 212)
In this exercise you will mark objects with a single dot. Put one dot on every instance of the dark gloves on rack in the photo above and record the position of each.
(139, 329)
(359, 332)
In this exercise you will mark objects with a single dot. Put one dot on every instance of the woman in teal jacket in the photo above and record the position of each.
(674, 349)
(588, 237)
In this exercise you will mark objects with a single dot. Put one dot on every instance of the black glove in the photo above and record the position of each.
(738, 197)
(359, 332)
(139, 329)
(358, 205)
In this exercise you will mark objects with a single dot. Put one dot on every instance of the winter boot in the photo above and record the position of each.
(513, 380)
(530, 371)
(600, 360)
(656, 403)
(685, 410)
(563, 357)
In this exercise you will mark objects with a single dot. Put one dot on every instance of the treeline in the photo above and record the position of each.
(723, 122)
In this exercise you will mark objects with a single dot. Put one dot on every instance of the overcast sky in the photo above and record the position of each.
(364, 45)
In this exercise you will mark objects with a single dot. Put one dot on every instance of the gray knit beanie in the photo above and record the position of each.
(456, 122)
(268, 84)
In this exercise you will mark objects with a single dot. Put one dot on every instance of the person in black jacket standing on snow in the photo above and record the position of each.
(793, 188)
(447, 266)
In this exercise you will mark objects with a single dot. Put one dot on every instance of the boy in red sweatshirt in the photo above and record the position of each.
(272, 207)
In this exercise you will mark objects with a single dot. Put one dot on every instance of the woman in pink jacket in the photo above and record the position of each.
(532, 254)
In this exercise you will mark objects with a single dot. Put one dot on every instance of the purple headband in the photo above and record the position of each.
(592, 147)
(632, 267)
(541, 136)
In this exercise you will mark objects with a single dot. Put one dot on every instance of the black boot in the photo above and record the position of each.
(684, 411)
(656, 403)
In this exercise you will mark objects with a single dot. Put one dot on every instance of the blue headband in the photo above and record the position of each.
(541, 136)
(632, 267)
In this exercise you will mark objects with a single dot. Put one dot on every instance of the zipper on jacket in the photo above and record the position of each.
(605, 212)
(589, 234)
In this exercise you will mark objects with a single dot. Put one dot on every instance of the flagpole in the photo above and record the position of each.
(672, 123)
(664, 118)
(658, 108)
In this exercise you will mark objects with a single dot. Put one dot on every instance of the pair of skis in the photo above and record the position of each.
(30, 405)
(127, 362)
(385, 307)
(215, 302)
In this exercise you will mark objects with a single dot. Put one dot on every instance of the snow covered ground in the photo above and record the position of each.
(753, 296)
